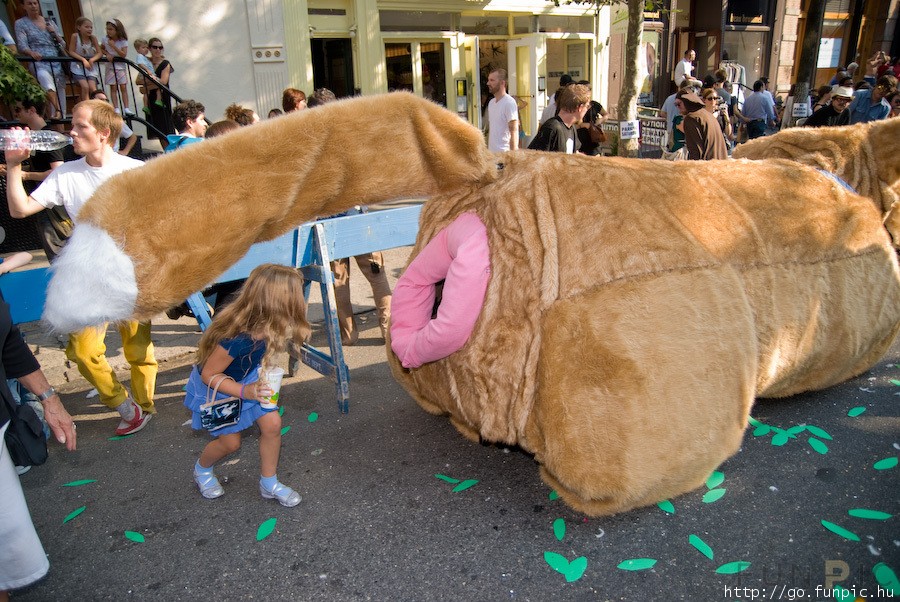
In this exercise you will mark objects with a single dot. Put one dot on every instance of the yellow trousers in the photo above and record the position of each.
(87, 348)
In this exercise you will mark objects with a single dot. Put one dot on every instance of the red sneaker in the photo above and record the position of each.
(129, 427)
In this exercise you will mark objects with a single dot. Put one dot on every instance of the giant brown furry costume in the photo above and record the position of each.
(634, 309)
(864, 156)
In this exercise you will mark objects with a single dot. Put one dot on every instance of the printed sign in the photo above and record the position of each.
(628, 130)
(800, 110)
(653, 132)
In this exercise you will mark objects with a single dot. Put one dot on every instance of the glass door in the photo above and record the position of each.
(523, 79)
(473, 77)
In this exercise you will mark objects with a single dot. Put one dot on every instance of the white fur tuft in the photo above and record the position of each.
(93, 282)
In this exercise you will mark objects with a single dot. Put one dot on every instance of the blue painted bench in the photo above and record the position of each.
(309, 247)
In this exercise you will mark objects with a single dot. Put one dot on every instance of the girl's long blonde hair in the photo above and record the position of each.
(269, 308)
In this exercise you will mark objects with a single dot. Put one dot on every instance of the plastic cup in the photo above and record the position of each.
(273, 377)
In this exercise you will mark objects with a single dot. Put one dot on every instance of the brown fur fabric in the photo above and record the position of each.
(631, 320)
(862, 155)
(186, 217)
(635, 308)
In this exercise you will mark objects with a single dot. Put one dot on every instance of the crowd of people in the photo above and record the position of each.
(38, 39)
(704, 118)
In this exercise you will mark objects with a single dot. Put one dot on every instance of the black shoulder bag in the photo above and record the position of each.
(25, 438)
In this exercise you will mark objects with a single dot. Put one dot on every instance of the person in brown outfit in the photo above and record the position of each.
(702, 135)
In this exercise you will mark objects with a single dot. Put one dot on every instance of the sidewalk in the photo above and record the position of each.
(175, 341)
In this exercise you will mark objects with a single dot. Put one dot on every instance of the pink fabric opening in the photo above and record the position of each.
(460, 255)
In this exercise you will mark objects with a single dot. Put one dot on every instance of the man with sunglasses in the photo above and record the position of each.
(870, 105)
(836, 112)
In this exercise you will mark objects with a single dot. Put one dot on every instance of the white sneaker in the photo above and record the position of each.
(20, 470)
(129, 111)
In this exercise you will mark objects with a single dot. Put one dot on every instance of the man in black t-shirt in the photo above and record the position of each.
(54, 225)
(558, 133)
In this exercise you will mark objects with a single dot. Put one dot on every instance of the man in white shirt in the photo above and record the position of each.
(685, 68)
(503, 115)
(95, 125)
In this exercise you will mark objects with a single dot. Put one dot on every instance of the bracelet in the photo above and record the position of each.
(242, 391)
(47, 394)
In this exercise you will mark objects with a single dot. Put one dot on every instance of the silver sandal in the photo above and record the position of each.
(209, 485)
(281, 492)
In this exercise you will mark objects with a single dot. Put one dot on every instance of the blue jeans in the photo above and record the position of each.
(756, 128)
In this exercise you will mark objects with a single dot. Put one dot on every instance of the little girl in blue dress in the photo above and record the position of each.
(268, 314)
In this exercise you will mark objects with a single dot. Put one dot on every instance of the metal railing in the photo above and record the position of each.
(59, 68)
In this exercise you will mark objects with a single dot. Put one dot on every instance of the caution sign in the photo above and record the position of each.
(653, 132)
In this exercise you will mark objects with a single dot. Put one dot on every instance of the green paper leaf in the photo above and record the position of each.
(887, 578)
(553, 495)
(841, 594)
(266, 528)
(838, 530)
(313, 417)
(895, 382)
(576, 569)
(284, 430)
(763, 429)
(572, 571)
(281, 411)
(854, 412)
(444, 477)
(465, 485)
(885, 464)
(637, 564)
(715, 479)
(796, 430)
(79, 483)
(559, 529)
(666, 506)
(869, 514)
(701, 546)
(780, 439)
(117, 437)
(817, 445)
(820, 433)
(73, 514)
(557, 562)
(134, 536)
(733, 568)
(713, 495)
(753, 421)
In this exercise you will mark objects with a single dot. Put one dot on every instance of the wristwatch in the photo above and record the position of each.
(47, 394)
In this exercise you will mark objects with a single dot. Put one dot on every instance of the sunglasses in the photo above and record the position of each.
(156, 47)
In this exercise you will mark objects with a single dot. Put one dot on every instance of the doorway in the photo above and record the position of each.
(332, 60)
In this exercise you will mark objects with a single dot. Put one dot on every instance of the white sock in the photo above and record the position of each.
(126, 409)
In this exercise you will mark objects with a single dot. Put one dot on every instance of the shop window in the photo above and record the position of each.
(418, 68)
(564, 24)
(399, 66)
(434, 82)
(747, 49)
(408, 20)
(484, 25)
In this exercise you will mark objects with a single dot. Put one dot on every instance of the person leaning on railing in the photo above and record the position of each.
(37, 38)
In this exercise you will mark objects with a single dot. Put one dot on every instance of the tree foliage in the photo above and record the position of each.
(15, 81)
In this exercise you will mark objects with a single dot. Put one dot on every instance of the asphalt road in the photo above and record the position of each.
(377, 524)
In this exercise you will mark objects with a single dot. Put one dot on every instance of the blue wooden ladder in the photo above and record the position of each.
(311, 248)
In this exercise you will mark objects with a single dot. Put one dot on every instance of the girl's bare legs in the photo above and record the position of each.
(54, 102)
(219, 448)
(269, 443)
(113, 97)
(123, 91)
(84, 92)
